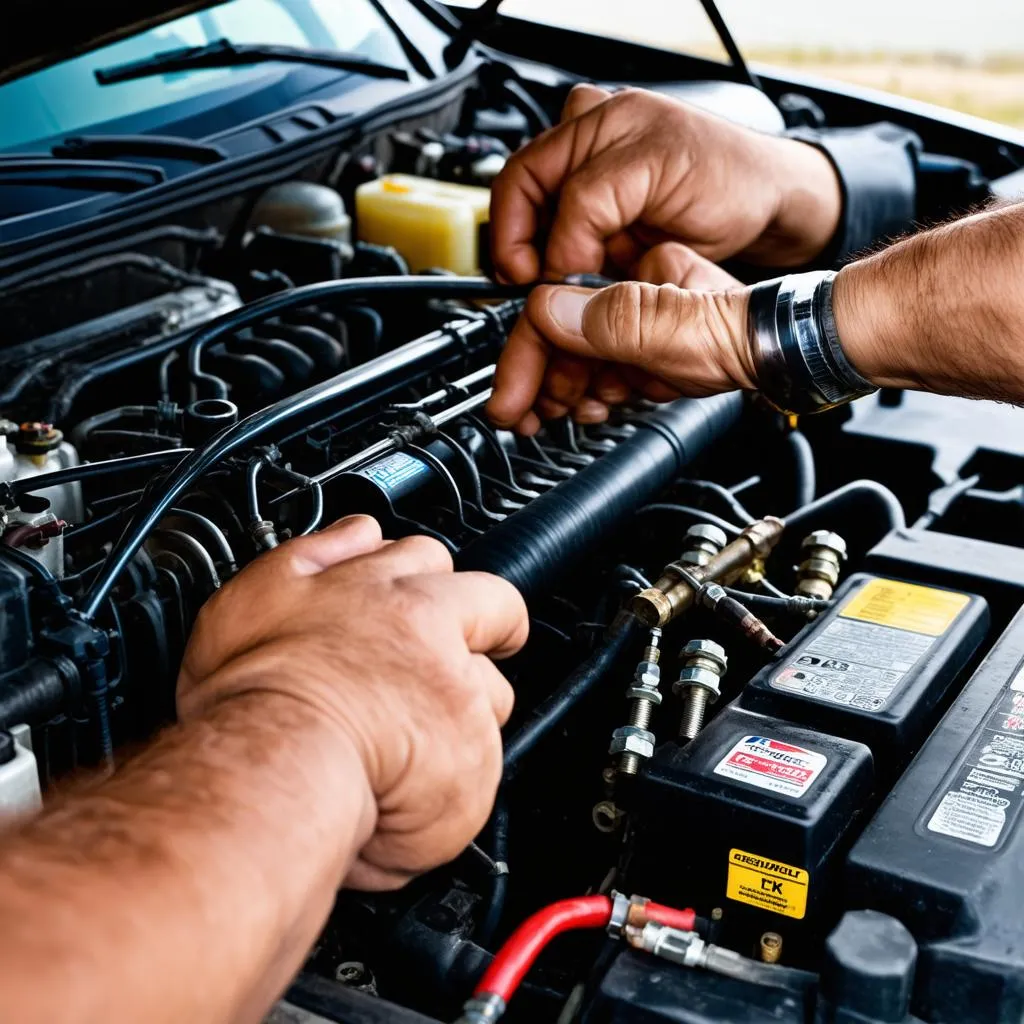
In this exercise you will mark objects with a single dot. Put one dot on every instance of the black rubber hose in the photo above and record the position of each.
(90, 470)
(543, 540)
(546, 715)
(804, 475)
(857, 495)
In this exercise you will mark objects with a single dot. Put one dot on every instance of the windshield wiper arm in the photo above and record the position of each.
(225, 54)
(171, 147)
(99, 175)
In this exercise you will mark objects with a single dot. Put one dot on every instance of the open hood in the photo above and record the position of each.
(43, 33)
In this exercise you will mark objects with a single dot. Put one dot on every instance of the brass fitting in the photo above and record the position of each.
(823, 553)
(771, 947)
(676, 588)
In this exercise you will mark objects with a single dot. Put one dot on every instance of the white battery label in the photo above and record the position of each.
(853, 663)
(987, 792)
(772, 764)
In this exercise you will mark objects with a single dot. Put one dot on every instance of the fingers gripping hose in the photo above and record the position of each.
(526, 943)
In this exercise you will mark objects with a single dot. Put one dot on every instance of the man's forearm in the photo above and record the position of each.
(190, 885)
(942, 311)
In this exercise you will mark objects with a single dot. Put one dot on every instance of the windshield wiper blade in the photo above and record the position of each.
(224, 54)
(171, 147)
(98, 175)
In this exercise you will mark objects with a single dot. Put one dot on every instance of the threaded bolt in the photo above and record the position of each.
(695, 705)
(703, 664)
(645, 696)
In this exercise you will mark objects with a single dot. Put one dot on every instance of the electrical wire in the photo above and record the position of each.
(694, 513)
(735, 506)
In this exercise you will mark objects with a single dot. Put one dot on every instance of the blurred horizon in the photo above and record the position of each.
(968, 57)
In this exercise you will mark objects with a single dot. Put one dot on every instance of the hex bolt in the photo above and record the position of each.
(822, 553)
(699, 684)
(644, 696)
(703, 542)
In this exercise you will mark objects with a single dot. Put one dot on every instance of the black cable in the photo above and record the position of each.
(735, 506)
(546, 715)
(857, 493)
(701, 515)
(804, 473)
(627, 572)
(743, 73)
(91, 470)
(491, 918)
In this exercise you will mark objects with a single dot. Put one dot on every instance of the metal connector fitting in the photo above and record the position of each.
(686, 948)
(822, 553)
(629, 739)
(703, 663)
(676, 589)
(703, 542)
(264, 535)
(482, 1009)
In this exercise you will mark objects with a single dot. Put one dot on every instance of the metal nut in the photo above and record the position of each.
(699, 677)
(825, 539)
(643, 693)
(648, 673)
(631, 740)
(705, 531)
(706, 649)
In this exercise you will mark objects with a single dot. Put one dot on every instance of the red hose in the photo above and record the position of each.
(682, 920)
(524, 945)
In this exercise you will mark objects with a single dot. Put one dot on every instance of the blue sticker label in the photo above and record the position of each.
(394, 470)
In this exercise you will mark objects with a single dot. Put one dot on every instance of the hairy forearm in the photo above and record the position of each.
(190, 885)
(942, 311)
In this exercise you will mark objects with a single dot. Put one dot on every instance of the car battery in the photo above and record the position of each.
(944, 854)
(876, 667)
(752, 818)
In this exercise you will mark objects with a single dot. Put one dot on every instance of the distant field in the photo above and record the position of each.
(991, 87)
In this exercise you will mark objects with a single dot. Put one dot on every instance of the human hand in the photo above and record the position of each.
(581, 351)
(624, 171)
(390, 650)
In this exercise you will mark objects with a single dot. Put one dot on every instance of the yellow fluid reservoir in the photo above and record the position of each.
(431, 223)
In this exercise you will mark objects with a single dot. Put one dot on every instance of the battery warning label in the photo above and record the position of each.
(987, 792)
(773, 765)
(906, 606)
(767, 884)
(863, 655)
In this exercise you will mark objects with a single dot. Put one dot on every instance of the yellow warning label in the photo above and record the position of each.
(767, 884)
(905, 606)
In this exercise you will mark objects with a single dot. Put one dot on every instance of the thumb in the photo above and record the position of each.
(694, 341)
(673, 333)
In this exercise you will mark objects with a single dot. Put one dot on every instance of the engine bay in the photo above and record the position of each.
(774, 673)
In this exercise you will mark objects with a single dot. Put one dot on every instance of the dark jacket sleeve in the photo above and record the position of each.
(877, 168)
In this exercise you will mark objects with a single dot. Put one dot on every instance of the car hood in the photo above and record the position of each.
(41, 33)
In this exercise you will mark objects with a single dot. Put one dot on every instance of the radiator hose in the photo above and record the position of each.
(543, 540)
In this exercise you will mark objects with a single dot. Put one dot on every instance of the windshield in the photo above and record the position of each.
(66, 98)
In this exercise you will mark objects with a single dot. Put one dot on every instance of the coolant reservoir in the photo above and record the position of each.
(431, 223)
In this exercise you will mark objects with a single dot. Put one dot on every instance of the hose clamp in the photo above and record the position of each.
(801, 365)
